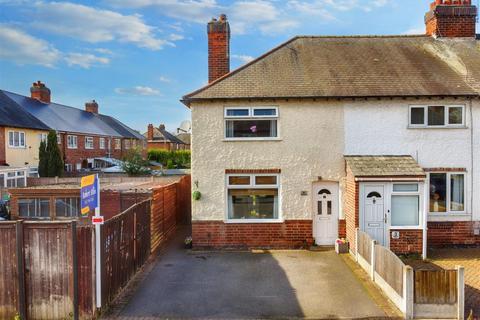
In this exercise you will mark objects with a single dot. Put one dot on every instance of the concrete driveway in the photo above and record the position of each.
(222, 285)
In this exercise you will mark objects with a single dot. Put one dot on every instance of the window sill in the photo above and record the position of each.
(446, 217)
(251, 139)
(13, 147)
(243, 221)
(438, 127)
(393, 228)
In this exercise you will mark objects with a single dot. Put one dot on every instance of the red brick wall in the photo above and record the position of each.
(452, 233)
(2, 146)
(218, 49)
(217, 234)
(451, 21)
(342, 228)
(410, 241)
(351, 207)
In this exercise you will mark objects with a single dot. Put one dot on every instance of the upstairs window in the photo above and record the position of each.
(42, 137)
(16, 139)
(88, 142)
(437, 116)
(251, 123)
(118, 144)
(127, 144)
(72, 142)
(102, 143)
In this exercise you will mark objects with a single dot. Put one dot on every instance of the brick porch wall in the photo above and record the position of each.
(342, 228)
(442, 234)
(2, 146)
(292, 234)
(410, 241)
(351, 207)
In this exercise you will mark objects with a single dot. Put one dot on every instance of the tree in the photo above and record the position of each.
(134, 164)
(42, 156)
(50, 159)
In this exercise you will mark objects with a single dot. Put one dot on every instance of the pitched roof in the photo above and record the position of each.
(358, 66)
(163, 135)
(13, 115)
(384, 166)
(66, 119)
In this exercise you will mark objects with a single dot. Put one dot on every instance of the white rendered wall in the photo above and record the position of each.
(311, 145)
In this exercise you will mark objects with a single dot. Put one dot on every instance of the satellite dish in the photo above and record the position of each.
(185, 126)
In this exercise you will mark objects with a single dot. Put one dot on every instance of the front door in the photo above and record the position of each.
(374, 212)
(325, 201)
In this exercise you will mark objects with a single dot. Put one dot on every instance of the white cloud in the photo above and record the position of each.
(85, 60)
(95, 25)
(175, 37)
(243, 58)
(138, 90)
(164, 79)
(103, 51)
(23, 48)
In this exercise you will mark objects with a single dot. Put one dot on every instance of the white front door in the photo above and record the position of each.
(374, 212)
(325, 221)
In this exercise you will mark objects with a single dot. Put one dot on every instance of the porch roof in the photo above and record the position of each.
(384, 166)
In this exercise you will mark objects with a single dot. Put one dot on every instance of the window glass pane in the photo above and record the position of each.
(436, 115)
(455, 115)
(405, 210)
(20, 182)
(457, 192)
(266, 180)
(22, 139)
(265, 112)
(25, 206)
(237, 112)
(244, 180)
(329, 207)
(438, 192)
(67, 207)
(417, 116)
(2, 181)
(10, 139)
(253, 204)
(405, 187)
(44, 211)
(320, 208)
(251, 128)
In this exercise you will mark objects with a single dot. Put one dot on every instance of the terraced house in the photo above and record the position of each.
(323, 135)
(83, 135)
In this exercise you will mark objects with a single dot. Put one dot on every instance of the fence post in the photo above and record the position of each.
(22, 306)
(460, 292)
(408, 298)
(75, 269)
(372, 260)
(356, 244)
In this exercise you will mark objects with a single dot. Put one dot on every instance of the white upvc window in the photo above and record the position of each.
(42, 137)
(72, 142)
(447, 192)
(253, 198)
(102, 143)
(127, 144)
(88, 142)
(436, 116)
(68, 167)
(251, 123)
(406, 205)
(59, 138)
(16, 139)
(118, 144)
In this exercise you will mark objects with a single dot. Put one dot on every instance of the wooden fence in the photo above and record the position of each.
(417, 293)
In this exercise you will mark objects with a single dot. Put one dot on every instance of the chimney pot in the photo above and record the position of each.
(218, 48)
(39, 91)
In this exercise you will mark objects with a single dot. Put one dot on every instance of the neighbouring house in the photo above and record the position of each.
(83, 135)
(160, 138)
(323, 135)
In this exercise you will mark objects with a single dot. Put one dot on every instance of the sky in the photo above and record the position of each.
(137, 58)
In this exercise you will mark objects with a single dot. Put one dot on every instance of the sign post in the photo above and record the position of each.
(90, 202)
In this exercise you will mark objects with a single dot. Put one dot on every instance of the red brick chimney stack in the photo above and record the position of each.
(91, 106)
(150, 132)
(39, 91)
(218, 48)
(451, 19)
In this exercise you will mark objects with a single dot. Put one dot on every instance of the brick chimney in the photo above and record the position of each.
(39, 91)
(451, 19)
(150, 132)
(218, 48)
(161, 127)
(91, 106)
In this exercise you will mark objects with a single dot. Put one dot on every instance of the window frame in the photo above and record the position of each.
(421, 204)
(252, 185)
(117, 144)
(446, 119)
(87, 143)
(448, 191)
(69, 199)
(101, 143)
(20, 134)
(37, 205)
(251, 116)
(71, 145)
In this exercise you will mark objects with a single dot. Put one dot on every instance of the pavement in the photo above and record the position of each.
(289, 284)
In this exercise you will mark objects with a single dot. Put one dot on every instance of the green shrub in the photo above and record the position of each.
(134, 164)
(171, 159)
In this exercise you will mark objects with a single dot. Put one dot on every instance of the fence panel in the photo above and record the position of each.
(390, 268)
(49, 274)
(364, 245)
(435, 286)
(142, 233)
(9, 293)
(86, 271)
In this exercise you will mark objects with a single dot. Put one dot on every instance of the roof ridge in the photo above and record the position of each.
(366, 36)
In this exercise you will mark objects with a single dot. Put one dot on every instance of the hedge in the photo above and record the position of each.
(170, 159)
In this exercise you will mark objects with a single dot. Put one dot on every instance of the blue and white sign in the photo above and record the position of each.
(89, 194)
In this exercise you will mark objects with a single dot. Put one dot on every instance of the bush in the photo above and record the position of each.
(171, 159)
(134, 164)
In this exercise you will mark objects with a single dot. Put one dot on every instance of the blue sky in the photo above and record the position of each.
(138, 57)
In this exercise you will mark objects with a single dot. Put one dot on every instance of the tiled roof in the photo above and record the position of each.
(384, 166)
(163, 135)
(66, 119)
(13, 115)
(363, 66)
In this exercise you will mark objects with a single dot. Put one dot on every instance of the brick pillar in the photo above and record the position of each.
(451, 18)
(218, 48)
